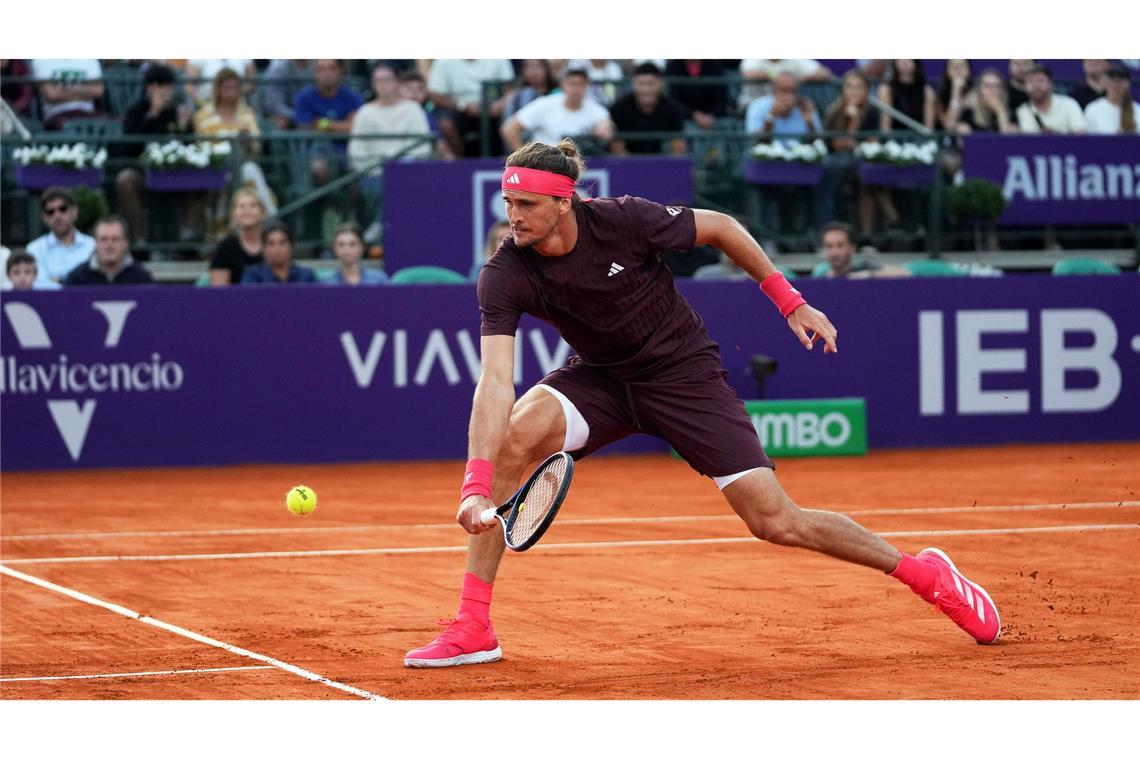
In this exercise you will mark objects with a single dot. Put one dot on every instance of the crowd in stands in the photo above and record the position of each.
(440, 109)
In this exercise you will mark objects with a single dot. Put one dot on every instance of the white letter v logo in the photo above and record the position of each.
(72, 423)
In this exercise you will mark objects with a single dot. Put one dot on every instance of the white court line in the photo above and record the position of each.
(135, 675)
(545, 547)
(581, 521)
(119, 610)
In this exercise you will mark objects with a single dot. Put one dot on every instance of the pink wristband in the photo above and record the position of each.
(781, 292)
(477, 479)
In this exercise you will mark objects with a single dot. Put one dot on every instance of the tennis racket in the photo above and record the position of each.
(527, 514)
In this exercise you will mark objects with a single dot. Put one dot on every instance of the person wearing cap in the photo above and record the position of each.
(63, 247)
(1116, 113)
(1047, 112)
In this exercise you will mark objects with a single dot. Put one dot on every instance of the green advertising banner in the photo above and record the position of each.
(810, 428)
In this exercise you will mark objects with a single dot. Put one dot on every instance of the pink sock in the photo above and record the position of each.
(918, 576)
(475, 599)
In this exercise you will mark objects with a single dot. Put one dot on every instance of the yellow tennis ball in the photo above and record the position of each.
(301, 500)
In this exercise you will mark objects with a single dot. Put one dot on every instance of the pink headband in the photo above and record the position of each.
(538, 181)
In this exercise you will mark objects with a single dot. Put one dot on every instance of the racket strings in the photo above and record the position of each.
(536, 503)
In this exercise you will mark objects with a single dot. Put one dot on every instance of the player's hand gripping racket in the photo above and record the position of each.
(527, 514)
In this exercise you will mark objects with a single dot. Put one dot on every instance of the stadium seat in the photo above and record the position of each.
(420, 275)
(788, 273)
(821, 269)
(1084, 266)
(933, 268)
(203, 280)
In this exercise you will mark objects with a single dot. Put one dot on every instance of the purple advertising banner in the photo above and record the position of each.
(150, 376)
(1052, 179)
(438, 212)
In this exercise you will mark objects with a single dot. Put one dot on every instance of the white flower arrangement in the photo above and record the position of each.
(179, 155)
(781, 150)
(900, 154)
(77, 156)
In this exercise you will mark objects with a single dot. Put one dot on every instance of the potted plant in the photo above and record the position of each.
(785, 162)
(894, 164)
(979, 202)
(177, 166)
(41, 166)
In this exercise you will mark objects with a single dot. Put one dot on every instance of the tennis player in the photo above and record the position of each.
(645, 364)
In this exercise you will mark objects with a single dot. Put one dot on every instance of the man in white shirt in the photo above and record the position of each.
(69, 88)
(456, 88)
(759, 73)
(388, 114)
(1046, 112)
(64, 247)
(1106, 116)
(562, 114)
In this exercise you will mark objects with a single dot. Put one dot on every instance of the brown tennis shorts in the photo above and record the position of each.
(691, 406)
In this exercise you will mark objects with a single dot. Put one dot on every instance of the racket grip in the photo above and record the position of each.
(487, 516)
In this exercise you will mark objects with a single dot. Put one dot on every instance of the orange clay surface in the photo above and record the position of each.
(600, 619)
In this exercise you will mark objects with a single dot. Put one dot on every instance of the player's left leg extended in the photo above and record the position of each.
(772, 516)
(697, 412)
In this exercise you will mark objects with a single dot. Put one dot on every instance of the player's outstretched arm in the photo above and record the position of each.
(490, 413)
(723, 232)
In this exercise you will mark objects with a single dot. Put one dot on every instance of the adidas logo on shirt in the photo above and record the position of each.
(614, 269)
(514, 180)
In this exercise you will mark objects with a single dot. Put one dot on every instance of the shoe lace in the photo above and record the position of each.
(952, 605)
(454, 628)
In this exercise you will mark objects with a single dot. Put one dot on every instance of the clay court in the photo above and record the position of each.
(645, 588)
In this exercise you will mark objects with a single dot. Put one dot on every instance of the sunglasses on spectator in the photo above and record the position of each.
(53, 210)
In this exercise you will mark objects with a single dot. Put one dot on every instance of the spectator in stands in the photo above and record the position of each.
(5, 253)
(69, 88)
(282, 82)
(839, 250)
(388, 114)
(327, 106)
(569, 113)
(1116, 113)
(535, 80)
(703, 101)
(851, 113)
(499, 232)
(413, 87)
(907, 90)
(227, 115)
(1018, 70)
(278, 266)
(646, 109)
(987, 108)
(1093, 85)
(605, 76)
(1047, 112)
(202, 74)
(20, 269)
(782, 113)
(348, 247)
(455, 85)
(154, 114)
(957, 82)
(63, 247)
(18, 95)
(242, 247)
(111, 264)
(760, 75)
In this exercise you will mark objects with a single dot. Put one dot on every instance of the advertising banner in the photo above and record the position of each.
(150, 376)
(1055, 179)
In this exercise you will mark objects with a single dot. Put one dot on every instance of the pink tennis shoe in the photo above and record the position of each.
(463, 642)
(960, 599)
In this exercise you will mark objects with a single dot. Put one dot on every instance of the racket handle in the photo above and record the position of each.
(487, 516)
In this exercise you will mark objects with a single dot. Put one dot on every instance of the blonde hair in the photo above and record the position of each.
(984, 117)
(247, 192)
(222, 76)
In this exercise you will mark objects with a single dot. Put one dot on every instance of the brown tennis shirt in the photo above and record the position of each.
(611, 297)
